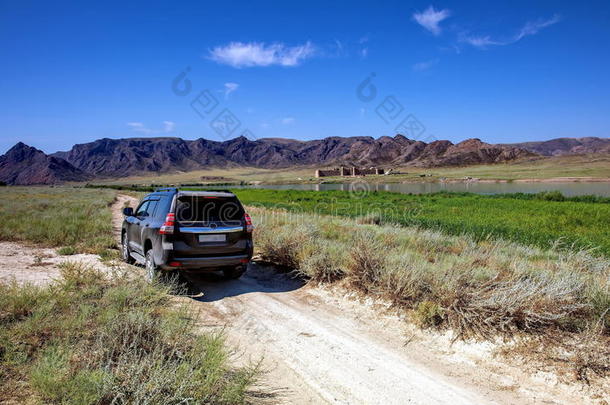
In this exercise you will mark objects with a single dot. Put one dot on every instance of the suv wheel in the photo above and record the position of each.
(125, 252)
(151, 268)
(234, 273)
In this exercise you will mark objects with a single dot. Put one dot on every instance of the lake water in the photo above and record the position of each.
(567, 189)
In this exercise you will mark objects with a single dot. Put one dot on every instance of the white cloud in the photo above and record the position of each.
(364, 50)
(530, 28)
(137, 126)
(168, 126)
(240, 54)
(431, 18)
(340, 48)
(421, 66)
(481, 41)
(230, 88)
(287, 120)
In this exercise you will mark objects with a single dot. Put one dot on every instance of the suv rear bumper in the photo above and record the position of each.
(207, 263)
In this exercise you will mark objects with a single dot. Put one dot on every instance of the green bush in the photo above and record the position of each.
(66, 250)
(550, 196)
(428, 314)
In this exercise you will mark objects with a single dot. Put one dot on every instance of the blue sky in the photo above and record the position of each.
(500, 71)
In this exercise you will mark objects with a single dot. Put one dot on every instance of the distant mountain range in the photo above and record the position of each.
(566, 146)
(106, 158)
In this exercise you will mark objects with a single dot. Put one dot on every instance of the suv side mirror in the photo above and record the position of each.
(128, 211)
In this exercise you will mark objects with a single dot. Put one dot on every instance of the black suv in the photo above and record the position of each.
(188, 230)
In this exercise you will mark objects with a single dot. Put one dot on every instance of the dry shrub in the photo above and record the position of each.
(366, 262)
(282, 245)
(508, 306)
(481, 289)
(323, 263)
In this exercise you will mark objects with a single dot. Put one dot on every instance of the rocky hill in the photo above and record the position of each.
(124, 157)
(25, 165)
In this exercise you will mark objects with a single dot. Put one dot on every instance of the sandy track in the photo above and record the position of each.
(121, 201)
(320, 346)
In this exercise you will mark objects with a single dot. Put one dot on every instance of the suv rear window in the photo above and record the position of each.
(204, 209)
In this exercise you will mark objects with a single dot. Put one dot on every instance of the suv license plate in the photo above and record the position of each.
(213, 238)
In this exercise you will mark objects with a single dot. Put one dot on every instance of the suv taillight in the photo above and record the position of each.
(168, 226)
(248, 220)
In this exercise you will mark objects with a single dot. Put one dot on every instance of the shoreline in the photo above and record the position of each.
(456, 180)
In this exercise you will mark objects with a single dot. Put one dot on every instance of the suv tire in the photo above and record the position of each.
(233, 273)
(152, 271)
(125, 251)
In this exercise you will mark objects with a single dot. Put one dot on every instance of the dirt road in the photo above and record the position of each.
(321, 346)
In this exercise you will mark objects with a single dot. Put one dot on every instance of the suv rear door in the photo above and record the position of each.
(210, 224)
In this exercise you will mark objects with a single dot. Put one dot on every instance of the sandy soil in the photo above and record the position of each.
(321, 345)
(36, 265)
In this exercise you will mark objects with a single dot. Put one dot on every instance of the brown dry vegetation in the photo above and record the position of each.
(558, 301)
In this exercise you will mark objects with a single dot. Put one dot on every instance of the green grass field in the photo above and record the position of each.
(62, 216)
(530, 220)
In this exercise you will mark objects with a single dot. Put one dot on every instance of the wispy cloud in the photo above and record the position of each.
(430, 19)
(364, 50)
(340, 49)
(421, 66)
(240, 54)
(530, 28)
(230, 88)
(168, 126)
(288, 120)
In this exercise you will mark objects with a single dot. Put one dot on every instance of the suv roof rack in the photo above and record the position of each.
(166, 189)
